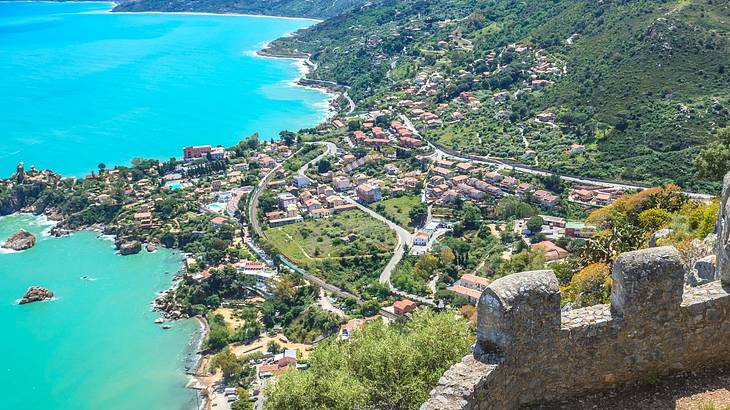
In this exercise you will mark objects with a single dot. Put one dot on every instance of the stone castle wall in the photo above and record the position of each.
(528, 351)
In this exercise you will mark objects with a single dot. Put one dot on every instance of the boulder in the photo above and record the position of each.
(130, 247)
(21, 241)
(657, 236)
(151, 247)
(704, 271)
(36, 294)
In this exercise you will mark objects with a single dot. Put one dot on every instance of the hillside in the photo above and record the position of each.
(642, 85)
(289, 8)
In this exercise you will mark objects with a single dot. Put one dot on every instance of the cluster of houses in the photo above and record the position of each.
(375, 136)
(554, 227)
(298, 200)
(470, 287)
(450, 180)
(594, 195)
(278, 364)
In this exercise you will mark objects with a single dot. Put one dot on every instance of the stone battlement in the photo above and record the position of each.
(527, 351)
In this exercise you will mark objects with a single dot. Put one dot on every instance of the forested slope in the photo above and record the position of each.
(642, 84)
(290, 8)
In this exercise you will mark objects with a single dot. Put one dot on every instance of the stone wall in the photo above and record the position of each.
(528, 351)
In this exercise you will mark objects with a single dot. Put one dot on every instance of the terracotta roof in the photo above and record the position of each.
(476, 279)
(464, 291)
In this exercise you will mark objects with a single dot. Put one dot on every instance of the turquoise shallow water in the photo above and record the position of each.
(79, 85)
(95, 346)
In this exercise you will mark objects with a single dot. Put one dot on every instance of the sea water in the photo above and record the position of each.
(81, 86)
(95, 345)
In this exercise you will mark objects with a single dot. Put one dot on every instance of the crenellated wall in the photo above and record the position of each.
(528, 351)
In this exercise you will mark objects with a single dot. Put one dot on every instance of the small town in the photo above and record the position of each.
(483, 186)
(294, 241)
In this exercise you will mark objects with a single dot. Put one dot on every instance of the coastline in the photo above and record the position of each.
(198, 366)
(202, 13)
(200, 379)
(305, 65)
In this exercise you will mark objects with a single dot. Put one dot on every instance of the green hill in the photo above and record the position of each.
(290, 8)
(641, 84)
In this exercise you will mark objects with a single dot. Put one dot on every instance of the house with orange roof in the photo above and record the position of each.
(403, 307)
(550, 250)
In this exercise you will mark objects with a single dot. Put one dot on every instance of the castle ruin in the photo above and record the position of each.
(529, 352)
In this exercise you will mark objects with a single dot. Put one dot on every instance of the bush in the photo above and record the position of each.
(384, 367)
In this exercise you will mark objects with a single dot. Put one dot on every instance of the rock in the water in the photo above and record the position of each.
(36, 294)
(151, 247)
(130, 247)
(22, 240)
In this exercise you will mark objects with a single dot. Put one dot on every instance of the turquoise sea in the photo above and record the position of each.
(80, 85)
(95, 346)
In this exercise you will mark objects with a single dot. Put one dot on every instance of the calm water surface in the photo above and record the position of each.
(80, 85)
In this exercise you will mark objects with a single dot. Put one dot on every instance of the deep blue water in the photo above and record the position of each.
(80, 85)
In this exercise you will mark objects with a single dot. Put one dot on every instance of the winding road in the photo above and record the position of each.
(442, 153)
(404, 238)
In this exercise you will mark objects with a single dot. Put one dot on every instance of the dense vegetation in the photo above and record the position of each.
(290, 8)
(643, 85)
(381, 367)
(628, 224)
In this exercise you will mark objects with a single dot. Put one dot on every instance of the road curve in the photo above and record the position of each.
(404, 238)
(441, 153)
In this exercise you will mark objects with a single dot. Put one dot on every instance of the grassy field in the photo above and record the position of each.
(396, 209)
(317, 240)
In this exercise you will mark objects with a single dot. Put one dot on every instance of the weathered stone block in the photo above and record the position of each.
(518, 308)
(648, 280)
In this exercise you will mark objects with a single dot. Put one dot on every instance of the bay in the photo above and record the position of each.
(95, 345)
(81, 86)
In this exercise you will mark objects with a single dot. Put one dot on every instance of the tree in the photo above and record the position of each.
(101, 167)
(654, 219)
(447, 256)
(418, 214)
(590, 286)
(471, 217)
(218, 333)
(274, 347)
(427, 263)
(252, 141)
(267, 201)
(381, 367)
(227, 362)
(535, 223)
(288, 137)
(714, 160)
(324, 165)
(513, 208)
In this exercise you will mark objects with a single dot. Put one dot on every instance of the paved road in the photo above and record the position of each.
(404, 238)
(440, 153)
(253, 205)
(330, 151)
